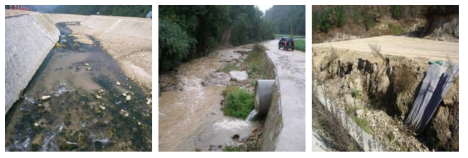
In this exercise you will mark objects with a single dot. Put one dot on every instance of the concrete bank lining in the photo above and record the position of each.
(274, 120)
(290, 77)
(365, 140)
(28, 40)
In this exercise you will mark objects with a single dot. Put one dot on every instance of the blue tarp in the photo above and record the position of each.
(433, 89)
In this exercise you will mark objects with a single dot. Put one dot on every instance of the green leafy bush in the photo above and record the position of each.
(396, 29)
(174, 44)
(239, 103)
(397, 11)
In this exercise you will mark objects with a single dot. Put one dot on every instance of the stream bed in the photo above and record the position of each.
(79, 100)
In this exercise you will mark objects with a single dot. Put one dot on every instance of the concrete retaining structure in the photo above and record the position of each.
(273, 121)
(28, 40)
(365, 140)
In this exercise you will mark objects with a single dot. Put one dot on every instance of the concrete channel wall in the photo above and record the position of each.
(365, 140)
(273, 122)
(28, 40)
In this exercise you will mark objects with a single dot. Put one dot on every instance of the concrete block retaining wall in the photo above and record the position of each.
(28, 40)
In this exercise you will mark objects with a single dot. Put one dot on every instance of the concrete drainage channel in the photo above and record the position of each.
(76, 98)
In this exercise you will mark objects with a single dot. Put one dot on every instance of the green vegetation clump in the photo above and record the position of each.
(113, 10)
(396, 29)
(239, 103)
(256, 61)
(362, 122)
(300, 45)
(356, 94)
(232, 148)
(250, 146)
(397, 11)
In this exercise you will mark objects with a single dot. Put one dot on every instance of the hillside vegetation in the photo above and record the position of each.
(187, 32)
(112, 10)
(284, 17)
(368, 21)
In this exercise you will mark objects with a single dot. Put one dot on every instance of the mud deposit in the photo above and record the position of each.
(79, 100)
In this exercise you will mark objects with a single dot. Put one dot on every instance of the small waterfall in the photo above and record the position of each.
(251, 115)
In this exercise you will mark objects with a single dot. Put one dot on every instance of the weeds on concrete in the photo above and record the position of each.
(362, 122)
(332, 129)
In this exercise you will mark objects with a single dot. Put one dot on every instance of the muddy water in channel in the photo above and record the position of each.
(86, 110)
(192, 119)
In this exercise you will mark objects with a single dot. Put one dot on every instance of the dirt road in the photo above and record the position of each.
(400, 46)
(290, 66)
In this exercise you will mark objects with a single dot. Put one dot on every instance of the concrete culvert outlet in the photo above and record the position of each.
(263, 91)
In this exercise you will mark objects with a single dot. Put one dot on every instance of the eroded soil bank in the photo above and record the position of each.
(79, 100)
(377, 92)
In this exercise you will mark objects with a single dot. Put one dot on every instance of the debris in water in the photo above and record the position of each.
(45, 97)
(123, 112)
(148, 101)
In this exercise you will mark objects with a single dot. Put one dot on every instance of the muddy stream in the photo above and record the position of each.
(74, 103)
(191, 119)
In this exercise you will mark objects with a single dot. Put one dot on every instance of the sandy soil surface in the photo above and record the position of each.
(290, 66)
(16, 12)
(400, 46)
(133, 54)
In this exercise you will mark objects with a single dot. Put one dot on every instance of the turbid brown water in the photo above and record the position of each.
(192, 118)
(86, 110)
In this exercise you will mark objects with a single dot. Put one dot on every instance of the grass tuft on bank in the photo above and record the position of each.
(239, 102)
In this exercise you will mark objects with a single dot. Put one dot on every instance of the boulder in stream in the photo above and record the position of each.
(238, 75)
(45, 97)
